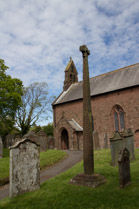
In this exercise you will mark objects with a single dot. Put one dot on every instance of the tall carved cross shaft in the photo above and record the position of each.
(87, 116)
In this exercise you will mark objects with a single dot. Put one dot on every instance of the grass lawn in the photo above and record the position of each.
(47, 158)
(57, 193)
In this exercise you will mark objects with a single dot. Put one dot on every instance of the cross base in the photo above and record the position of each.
(93, 180)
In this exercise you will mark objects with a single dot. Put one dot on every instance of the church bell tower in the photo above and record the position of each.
(71, 75)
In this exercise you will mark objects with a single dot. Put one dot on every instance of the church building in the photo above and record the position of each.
(114, 102)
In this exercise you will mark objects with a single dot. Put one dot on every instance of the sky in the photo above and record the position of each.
(37, 37)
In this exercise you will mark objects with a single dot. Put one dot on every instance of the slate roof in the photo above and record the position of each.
(75, 125)
(115, 80)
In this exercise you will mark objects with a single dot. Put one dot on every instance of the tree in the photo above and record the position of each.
(11, 90)
(35, 106)
(48, 129)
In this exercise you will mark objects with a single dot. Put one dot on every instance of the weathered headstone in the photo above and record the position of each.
(119, 141)
(124, 168)
(96, 140)
(128, 142)
(106, 141)
(1, 148)
(43, 140)
(10, 138)
(115, 145)
(24, 167)
(40, 138)
(51, 142)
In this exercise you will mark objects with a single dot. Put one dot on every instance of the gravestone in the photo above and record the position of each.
(10, 138)
(24, 167)
(1, 148)
(96, 140)
(128, 142)
(115, 145)
(40, 138)
(119, 141)
(124, 168)
(51, 142)
(106, 141)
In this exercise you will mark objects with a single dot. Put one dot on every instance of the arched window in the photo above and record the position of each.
(119, 123)
(70, 77)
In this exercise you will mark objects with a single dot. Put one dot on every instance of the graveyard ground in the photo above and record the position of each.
(47, 158)
(57, 193)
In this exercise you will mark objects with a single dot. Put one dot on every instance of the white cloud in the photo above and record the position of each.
(38, 37)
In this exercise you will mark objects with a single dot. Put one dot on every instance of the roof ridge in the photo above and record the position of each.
(113, 71)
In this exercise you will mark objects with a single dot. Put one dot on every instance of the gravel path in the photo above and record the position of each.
(73, 158)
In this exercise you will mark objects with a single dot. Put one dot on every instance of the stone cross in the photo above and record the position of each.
(1, 148)
(124, 168)
(87, 116)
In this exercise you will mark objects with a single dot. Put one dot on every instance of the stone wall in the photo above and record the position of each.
(40, 138)
(24, 167)
(102, 106)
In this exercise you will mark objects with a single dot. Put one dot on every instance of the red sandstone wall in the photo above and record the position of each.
(102, 106)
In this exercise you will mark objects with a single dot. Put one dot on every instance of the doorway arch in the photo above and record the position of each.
(64, 139)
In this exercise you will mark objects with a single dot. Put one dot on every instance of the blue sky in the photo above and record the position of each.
(37, 37)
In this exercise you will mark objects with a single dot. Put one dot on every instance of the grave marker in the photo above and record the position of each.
(124, 168)
(24, 167)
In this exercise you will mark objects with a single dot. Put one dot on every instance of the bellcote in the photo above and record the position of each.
(71, 75)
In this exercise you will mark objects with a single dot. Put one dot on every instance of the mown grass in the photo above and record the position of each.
(57, 193)
(47, 159)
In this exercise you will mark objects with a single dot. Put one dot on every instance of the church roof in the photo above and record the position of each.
(115, 80)
(75, 125)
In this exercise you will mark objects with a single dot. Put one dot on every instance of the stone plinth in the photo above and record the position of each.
(93, 180)
(1, 148)
(24, 167)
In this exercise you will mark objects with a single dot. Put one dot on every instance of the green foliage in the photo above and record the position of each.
(5, 152)
(4, 167)
(48, 129)
(36, 128)
(11, 90)
(57, 193)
